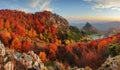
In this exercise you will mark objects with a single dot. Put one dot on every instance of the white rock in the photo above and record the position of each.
(5, 59)
(9, 66)
(28, 64)
(2, 48)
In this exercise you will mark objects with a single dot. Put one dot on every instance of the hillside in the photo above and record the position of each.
(52, 38)
(37, 27)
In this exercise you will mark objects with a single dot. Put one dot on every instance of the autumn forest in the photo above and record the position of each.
(52, 38)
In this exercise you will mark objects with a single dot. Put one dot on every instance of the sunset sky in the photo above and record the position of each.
(73, 10)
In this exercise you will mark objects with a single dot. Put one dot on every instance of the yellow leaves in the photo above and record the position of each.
(41, 36)
(85, 39)
(72, 41)
(32, 33)
(67, 42)
(45, 36)
(58, 42)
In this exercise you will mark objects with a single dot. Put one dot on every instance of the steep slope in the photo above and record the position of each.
(31, 29)
(12, 60)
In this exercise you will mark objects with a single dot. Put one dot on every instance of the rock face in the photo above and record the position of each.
(11, 60)
(86, 68)
(111, 64)
(61, 23)
(90, 29)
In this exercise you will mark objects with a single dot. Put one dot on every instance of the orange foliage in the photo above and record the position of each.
(43, 57)
(102, 44)
(7, 25)
(31, 26)
(32, 33)
(1, 24)
(52, 51)
(5, 36)
(16, 44)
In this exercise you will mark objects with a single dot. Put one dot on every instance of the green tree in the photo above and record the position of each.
(114, 49)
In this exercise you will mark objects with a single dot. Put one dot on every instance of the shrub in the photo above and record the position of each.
(114, 49)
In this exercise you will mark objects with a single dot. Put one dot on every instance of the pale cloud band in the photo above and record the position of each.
(42, 4)
(108, 4)
(33, 5)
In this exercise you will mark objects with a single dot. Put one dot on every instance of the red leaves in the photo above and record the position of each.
(38, 26)
(27, 44)
(20, 30)
(102, 44)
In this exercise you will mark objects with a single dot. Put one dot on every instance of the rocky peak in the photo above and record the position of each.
(90, 28)
(87, 25)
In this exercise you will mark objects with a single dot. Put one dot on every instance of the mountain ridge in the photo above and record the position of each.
(103, 26)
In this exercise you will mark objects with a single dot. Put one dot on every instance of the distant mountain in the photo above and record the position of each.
(90, 29)
(107, 25)
(104, 26)
(113, 31)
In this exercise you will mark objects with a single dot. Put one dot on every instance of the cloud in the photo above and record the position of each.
(33, 3)
(116, 8)
(92, 18)
(23, 9)
(105, 4)
(45, 5)
(41, 4)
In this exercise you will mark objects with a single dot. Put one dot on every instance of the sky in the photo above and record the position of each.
(72, 10)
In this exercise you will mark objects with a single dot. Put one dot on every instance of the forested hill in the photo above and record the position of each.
(40, 26)
(50, 36)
